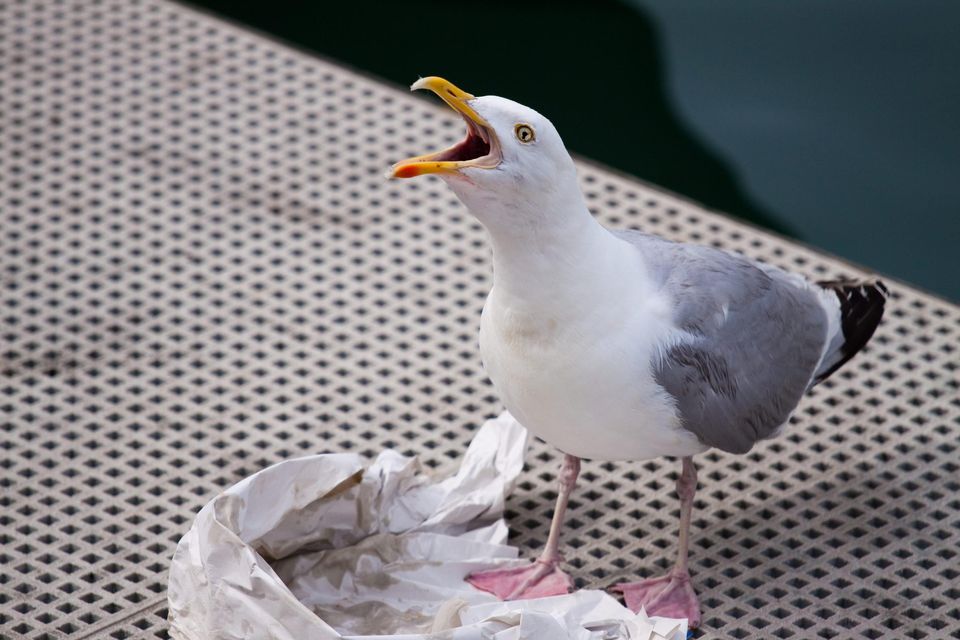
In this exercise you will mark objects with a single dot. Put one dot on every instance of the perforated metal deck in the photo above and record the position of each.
(205, 272)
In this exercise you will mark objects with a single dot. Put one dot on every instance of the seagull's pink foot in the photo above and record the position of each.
(669, 596)
(537, 580)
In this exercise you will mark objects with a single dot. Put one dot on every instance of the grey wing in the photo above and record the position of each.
(752, 338)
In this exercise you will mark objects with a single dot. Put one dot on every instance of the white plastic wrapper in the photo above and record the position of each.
(324, 547)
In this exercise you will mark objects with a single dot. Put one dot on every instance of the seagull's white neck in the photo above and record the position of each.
(548, 252)
(534, 261)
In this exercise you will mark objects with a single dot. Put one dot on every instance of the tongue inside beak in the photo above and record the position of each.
(478, 149)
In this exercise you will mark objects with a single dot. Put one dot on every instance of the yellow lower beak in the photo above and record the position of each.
(480, 137)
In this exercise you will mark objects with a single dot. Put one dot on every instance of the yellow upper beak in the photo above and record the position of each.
(445, 161)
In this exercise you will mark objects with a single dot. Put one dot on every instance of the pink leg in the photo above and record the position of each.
(542, 577)
(672, 595)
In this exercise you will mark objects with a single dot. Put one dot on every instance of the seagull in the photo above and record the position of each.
(620, 345)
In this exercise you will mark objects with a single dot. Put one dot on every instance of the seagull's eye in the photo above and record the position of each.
(524, 133)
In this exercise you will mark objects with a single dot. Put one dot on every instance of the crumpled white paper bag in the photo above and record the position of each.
(325, 547)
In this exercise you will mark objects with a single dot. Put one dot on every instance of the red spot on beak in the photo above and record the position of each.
(407, 171)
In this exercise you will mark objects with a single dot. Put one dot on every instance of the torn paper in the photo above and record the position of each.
(330, 546)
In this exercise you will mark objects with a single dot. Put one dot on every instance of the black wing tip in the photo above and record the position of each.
(861, 308)
(843, 286)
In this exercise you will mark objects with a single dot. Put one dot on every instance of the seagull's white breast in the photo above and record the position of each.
(578, 373)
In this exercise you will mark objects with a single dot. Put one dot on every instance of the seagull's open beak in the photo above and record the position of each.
(480, 149)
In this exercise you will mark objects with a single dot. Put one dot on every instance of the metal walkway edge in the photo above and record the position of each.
(203, 271)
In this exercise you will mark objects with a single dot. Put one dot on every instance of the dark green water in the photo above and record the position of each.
(832, 121)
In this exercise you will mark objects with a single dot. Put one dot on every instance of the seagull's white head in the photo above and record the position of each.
(511, 168)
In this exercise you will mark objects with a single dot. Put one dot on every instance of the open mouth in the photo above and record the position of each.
(479, 149)
(475, 145)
